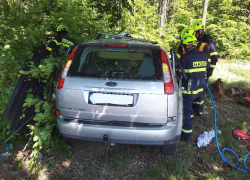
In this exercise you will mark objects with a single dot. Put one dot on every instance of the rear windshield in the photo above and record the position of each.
(117, 63)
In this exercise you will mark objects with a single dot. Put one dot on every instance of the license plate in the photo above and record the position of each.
(111, 99)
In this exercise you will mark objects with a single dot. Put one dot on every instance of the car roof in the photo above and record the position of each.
(119, 41)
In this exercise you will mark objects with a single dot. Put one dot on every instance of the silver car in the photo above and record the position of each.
(120, 91)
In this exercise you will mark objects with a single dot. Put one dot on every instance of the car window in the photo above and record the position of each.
(117, 63)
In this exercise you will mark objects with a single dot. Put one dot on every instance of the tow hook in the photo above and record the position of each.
(105, 138)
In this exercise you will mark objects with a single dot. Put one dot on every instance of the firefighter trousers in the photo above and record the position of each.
(188, 100)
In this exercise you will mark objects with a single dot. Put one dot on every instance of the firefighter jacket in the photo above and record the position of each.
(180, 51)
(60, 44)
(195, 64)
(212, 48)
(203, 47)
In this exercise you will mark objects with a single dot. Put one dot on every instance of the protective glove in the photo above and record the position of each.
(210, 72)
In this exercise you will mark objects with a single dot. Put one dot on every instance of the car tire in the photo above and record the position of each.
(169, 150)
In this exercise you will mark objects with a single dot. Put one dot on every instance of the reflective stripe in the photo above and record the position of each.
(58, 43)
(200, 64)
(65, 41)
(200, 103)
(187, 131)
(183, 50)
(209, 60)
(178, 55)
(201, 48)
(194, 92)
(195, 70)
(66, 45)
(192, 116)
(48, 48)
(59, 28)
(213, 53)
(200, 112)
(212, 66)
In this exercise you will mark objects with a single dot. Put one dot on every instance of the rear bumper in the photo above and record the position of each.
(168, 134)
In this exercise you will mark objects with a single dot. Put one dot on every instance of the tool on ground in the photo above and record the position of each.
(247, 100)
(242, 102)
(241, 136)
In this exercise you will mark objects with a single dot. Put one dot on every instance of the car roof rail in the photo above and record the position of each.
(123, 35)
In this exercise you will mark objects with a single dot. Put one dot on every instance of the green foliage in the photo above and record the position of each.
(113, 9)
(45, 134)
(44, 127)
(42, 72)
(228, 24)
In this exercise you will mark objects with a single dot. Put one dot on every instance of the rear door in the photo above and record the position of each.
(115, 83)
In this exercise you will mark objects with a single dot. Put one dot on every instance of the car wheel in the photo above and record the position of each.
(170, 149)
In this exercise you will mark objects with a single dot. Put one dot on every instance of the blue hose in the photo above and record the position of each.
(222, 155)
(7, 152)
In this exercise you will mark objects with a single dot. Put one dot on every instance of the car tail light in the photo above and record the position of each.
(115, 46)
(58, 112)
(167, 76)
(65, 69)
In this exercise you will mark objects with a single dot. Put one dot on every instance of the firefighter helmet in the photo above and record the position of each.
(186, 32)
(189, 40)
(61, 28)
(197, 26)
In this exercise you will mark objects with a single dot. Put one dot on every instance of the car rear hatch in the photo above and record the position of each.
(116, 85)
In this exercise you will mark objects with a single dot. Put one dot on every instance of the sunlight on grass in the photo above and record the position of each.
(233, 73)
(42, 174)
(66, 164)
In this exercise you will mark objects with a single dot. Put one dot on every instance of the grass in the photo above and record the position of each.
(234, 73)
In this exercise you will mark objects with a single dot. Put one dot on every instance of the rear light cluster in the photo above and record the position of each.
(58, 112)
(167, 76)
(65, 69)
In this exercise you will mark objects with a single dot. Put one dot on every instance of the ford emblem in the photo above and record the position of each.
(111, 84)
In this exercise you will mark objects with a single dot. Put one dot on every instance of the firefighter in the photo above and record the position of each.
(202, 36)
(198, 104)
(195, 64)
(61, 43)
(203, 47)
(184, 32)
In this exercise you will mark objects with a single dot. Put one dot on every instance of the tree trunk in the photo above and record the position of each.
(159, 6)
(204, 12)
(163, 12)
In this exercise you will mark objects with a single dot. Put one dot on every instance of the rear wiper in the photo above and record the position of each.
(119, 72)
(113, 73)
(107, 72)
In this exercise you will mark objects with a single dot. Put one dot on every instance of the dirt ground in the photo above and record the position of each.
(92, 160)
